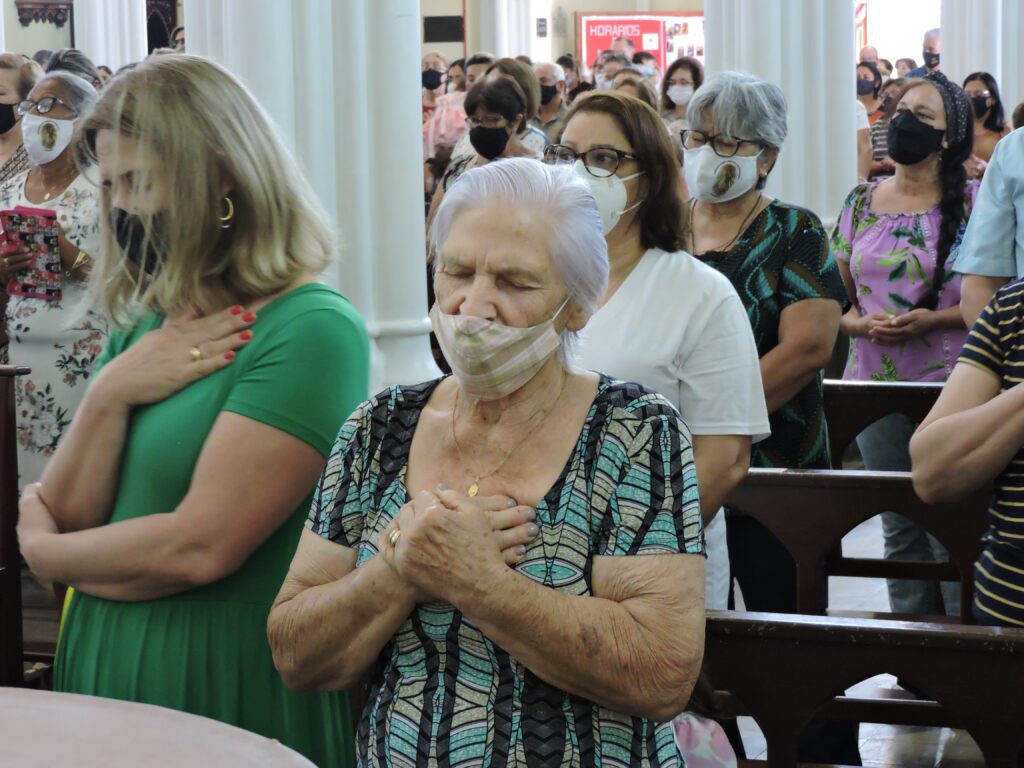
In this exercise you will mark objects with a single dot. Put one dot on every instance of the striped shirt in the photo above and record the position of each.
(996, 344)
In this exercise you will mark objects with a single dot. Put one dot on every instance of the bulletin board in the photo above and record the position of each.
(667, 35)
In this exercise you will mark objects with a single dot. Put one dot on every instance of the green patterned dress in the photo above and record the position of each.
(442, 692)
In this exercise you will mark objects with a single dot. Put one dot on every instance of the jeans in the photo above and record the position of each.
(885, 446)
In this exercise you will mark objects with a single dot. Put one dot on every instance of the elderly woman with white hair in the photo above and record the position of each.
(45, 333)
(511, 554)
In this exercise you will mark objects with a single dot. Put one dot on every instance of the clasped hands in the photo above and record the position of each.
(445, 544)
(895, 330)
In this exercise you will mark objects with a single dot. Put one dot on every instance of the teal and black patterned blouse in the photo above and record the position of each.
(782, 258)
(443, 693)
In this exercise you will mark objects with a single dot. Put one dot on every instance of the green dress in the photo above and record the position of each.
(205, 651)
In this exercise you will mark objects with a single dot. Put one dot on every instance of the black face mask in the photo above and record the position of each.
(931, 60)
(910, 140)
(865, 87)
(8, 117)
(431, 79)
(547, 93)
(130, 232)
(980, 105)
(489, 142)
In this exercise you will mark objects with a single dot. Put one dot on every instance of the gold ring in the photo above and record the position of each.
(196, 354)
(393, 536)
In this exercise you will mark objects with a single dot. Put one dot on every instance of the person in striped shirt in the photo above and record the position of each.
(973, 437)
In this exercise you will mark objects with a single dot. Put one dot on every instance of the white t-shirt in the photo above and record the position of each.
(678, 327)
(860, 116)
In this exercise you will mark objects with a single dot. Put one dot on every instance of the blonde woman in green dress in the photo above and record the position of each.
(175, 502)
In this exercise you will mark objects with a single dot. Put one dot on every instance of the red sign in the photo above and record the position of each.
(667, 35)
(599, 32)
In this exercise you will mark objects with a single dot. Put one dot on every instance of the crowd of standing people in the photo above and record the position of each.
(511, 563)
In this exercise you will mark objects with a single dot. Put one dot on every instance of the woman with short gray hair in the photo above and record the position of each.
(40, 310)
(778, 258)
(475, 540)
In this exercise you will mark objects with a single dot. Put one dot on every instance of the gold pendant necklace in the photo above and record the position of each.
(474, 487)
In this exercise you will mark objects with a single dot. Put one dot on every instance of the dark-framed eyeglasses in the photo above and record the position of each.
(43, 106)
(487, 121)
(600, 162)
(721, 145)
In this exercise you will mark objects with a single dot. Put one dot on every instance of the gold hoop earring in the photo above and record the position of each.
(227, 218)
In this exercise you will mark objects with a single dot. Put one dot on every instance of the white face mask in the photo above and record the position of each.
(45, 138)
(714, 179)
(680, 95)
(609, 194)
(491, 360)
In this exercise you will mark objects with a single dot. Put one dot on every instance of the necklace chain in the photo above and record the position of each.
(66, 179)
(474, 487)
(742, 228)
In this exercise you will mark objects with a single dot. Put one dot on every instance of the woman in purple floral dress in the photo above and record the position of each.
(59, 343)
(892, 243)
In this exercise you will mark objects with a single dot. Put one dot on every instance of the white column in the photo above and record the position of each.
(985, 36)
(111, 32)
(807, 48)
(493, 27)
(315, 68)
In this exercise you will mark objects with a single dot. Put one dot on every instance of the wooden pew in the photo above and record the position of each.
(11, 648)
(785, 669)
(850, 406)
(810, 511)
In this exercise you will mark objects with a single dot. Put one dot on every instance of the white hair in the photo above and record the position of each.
(933, 34)
(557, 70)
(742, 106)
(577, 245)
(80, 93)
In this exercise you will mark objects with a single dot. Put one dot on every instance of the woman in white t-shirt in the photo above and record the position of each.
(667, 322)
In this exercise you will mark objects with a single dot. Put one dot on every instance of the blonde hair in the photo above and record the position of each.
(202, 131)
(28, 71)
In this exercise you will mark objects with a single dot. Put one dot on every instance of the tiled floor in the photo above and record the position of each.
(882, 745)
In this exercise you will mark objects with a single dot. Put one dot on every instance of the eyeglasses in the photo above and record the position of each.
(721, 145)
(600, 162)
(43, 106)
(488, 121)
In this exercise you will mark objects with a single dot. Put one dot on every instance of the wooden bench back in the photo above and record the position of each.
(11, 646)
(785, 669)
(810, 511)
(850, 406)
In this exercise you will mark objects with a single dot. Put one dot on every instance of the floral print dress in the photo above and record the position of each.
(892, 260)
(50, 337)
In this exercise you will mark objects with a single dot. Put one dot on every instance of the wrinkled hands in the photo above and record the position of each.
(450, 543)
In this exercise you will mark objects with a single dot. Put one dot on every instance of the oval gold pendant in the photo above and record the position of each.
(474, 489)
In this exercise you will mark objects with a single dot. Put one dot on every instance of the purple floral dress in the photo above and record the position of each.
(892, 259)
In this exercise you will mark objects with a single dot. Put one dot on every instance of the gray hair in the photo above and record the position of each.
(577, 245)
(79, 91)
(932, 34)
(556, 70)
(742, 106)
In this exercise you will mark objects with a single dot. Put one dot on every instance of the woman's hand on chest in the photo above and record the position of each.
(445, 544)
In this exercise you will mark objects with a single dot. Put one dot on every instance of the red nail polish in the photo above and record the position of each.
(245, 335)
(248, 317)
(237, 309)
(229, 355)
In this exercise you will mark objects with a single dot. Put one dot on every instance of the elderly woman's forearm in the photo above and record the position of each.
(967, 450)
(326, 637)
(80, 480)
(637, 661)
